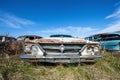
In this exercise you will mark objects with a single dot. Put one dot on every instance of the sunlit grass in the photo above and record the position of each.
(106, 68)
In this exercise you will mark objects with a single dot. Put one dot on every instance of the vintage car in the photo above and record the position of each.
(9, 45)
(7, 38)
(60, 49)
(108, 41)
(28, 37)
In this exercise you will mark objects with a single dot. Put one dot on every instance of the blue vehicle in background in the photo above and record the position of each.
(108, 41)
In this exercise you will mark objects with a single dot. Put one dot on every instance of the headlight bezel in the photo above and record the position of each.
(27, 48)
(31, 49)
(34, 48)
(93, 50)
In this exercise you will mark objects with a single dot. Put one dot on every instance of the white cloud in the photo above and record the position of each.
(112, 27)
(116, 14)
(74, 31)
(8, 20)
(115, 25)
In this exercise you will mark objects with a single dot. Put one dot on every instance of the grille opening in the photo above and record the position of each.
(56, 48)
(71, 51)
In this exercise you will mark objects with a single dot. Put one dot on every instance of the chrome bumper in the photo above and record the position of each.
(60, 59)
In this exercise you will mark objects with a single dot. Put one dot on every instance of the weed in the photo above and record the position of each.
(10, 67)
(106, 68)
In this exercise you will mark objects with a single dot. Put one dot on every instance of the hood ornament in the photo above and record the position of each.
(62, 47)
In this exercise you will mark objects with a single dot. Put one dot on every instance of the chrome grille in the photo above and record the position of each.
(61, 48)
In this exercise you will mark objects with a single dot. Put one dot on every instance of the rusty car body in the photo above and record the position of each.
(7, 38)
(60, 49)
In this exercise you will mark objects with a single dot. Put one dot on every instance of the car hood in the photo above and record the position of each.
(61, 40)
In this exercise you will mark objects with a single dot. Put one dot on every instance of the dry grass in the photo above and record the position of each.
(13, 68)
(107, 68)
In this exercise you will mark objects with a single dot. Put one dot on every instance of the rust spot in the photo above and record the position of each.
(33, 60)
(28, 52)
(48, 40)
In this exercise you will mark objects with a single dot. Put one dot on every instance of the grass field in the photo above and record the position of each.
(107, 68)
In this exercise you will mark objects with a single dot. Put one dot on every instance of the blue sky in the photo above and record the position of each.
(79, 18)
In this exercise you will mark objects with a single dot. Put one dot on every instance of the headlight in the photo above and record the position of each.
(34, 49)
(95, 49)
(90, 49)
(27, 48)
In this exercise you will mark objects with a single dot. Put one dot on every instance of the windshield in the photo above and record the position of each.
(110, 37)
(61, 35)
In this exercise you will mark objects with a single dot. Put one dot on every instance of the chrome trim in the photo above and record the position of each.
(61, 59)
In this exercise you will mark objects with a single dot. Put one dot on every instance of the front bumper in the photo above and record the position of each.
(61, 58)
